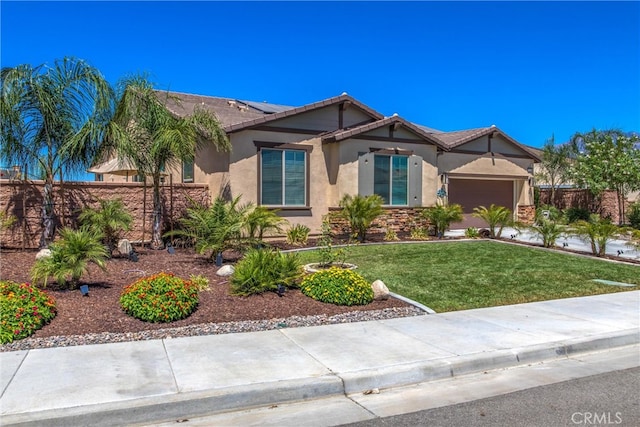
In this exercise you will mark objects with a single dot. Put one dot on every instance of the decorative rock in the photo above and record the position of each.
(225, 270)
(43, 253)
(124, 247)
(380, 290)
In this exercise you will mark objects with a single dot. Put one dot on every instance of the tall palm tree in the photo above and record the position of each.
(53, 119)
(146, 132)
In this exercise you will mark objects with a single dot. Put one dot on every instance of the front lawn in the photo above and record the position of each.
(449, 276)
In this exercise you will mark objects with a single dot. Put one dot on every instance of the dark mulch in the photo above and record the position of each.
(101, 312)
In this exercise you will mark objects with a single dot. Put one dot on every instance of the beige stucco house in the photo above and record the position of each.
(303, 160)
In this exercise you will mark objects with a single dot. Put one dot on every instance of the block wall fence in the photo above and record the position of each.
(24, 200)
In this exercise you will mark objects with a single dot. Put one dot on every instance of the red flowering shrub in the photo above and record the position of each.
(23, 310)
(162, 297)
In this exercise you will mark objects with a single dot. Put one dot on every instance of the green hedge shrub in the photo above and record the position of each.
(262, 270)
(23, 310)
(162, 297)
(634, 215)
(337, 286)
(574, 214)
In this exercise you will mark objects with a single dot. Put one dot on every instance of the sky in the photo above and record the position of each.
(533, 69)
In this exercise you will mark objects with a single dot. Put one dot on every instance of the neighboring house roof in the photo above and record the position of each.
(342, 134)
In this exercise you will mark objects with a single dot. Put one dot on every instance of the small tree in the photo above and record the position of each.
(555, 165)
(110, 219)
(607, 160)
(549, 231)
(442, 216)
(361, 211)
(597, 232)
(70, 257)
(495, 217)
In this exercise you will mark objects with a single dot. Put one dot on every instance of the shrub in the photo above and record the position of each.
(262, 270)
(337, 286)
(298, 235)
(70, 257)
(23, 310)
(574, 214)
(260, 221)
(391, 235)
(441, 217)
(553, 214)
(200, 282)
(162, 297)
(472, 233)
(634, 215)
(360, 212)
(419, 233)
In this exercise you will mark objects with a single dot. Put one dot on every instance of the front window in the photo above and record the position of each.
(283, 175)
(390, 179)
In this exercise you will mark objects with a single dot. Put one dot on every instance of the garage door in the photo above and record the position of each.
(471, 193)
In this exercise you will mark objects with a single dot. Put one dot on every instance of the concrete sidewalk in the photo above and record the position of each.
(150, 381)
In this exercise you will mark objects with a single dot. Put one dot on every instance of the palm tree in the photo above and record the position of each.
(215, 228)
(442, 216)
(495, 217)
(261, 220)
(597, 232)
(70, 257)
(53, 119)
(110, 219)
(146, 132)
(361, 211)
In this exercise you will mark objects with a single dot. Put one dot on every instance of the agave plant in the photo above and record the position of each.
(110, 219)
(361, 211)
(441, 217)
(70, 257)
(496, 217)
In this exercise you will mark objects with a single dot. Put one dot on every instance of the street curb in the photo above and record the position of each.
(174, 406)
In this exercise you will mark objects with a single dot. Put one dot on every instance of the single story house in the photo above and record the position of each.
(303, 160)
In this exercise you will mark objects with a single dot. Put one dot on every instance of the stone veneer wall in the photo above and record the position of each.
(77, 195)
(526, 214)
(397, 219)
(606, 205)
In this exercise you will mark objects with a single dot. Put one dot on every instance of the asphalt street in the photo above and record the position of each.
(605, 399)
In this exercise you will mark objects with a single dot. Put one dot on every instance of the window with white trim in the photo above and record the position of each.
(283, 176)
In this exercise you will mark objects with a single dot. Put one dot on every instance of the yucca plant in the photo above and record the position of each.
(70, 257)
(360, 212)
(597, 232)
(110, 219)
(496, 217)
(441, 217)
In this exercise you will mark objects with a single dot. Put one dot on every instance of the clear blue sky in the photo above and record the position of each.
(531, 68)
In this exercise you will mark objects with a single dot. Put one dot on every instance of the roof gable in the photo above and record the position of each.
(491, 164)
(396, 120)
(344, 98)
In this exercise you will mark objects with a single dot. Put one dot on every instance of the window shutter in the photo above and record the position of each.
(415, 181)
(365, 174)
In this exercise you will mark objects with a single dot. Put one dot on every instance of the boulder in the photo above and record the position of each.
(124, 247)
(225, 270)
(380, 290)
(43, 253)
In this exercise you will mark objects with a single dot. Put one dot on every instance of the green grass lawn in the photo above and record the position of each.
(449, 276)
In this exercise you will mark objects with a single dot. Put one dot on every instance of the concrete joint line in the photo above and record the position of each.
(14, 373)
(173, 374)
